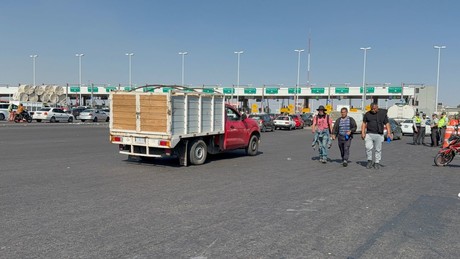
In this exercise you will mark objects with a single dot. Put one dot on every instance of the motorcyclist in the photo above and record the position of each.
(21, 111)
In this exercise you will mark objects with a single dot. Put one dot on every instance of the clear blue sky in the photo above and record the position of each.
(401, 33)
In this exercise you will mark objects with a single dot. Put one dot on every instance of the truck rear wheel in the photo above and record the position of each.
(198, 152)
(253, 147)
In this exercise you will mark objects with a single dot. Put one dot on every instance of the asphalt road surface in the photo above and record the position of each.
(65, 192)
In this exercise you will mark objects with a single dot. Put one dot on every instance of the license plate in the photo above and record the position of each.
(139, 141)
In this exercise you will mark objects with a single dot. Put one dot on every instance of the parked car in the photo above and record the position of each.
(4, 114)
(284, 122)
(94, 115)
(299, 123)
(76, 112)
(52, 115)
(307, 119)
(395, 129)
(265, 122)
(407, 127)
(107, 111)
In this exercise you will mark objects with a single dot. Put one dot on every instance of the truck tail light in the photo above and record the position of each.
(117, 139)
(45, 113)
(164, 143)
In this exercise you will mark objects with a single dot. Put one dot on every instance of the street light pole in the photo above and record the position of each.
(298, 79)
(183, 66)
(437, 77)
(33, 65)
(364, 78)
(129, 60)
(79, 74)
(238, 78)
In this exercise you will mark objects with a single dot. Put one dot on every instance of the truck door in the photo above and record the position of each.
(235, 129)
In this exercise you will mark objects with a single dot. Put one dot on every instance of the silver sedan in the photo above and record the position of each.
(94, 115)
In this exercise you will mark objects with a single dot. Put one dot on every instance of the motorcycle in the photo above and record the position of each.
(446, 154)
(24, 116)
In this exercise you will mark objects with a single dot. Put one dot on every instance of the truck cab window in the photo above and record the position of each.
(232, 115)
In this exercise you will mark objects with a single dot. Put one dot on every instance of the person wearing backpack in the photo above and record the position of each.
(322, 128)
(343, 130)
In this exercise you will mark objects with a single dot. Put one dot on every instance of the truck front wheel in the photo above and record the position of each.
(198, 152)
(253, 146)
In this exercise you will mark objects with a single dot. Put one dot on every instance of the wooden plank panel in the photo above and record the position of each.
(153, 128)
(153, 122)
(124, 111)
(154, 110)
(123, 97)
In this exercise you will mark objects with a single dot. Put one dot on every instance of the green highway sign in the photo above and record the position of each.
(127, 88)
(342, 90)
(369, 89)
(250, 90)
(148, 89)
(208, 90)
(317, 90)
(93, 89)
(229, 90)
(293, 90)
(166, 89)
(74, 89)
(394, 90)
(110, 89)
(271, 90)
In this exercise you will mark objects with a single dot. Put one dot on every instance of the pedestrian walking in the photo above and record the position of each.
(434, 131)
(343, 130)
(417, 121)
(372, 133)
(11, 112)
(322, 128)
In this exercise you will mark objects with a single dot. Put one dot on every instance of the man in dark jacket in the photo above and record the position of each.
(343, 130)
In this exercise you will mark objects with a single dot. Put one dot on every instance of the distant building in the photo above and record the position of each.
(425, 99)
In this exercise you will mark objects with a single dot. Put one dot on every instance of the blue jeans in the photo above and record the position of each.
(323, 140)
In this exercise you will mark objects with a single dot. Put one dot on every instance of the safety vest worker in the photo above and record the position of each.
(442, 123)
(417, 120)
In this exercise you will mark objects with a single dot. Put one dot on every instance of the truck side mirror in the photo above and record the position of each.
(244, 116)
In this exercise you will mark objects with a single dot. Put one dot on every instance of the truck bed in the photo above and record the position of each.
(172, 115)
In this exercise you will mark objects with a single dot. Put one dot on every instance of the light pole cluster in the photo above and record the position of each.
(299, 51)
